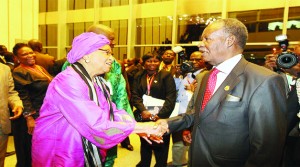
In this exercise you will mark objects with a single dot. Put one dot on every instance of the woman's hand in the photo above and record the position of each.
(150, 131)
(30, 124)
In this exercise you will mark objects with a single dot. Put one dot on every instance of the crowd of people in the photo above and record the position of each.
(225, 110)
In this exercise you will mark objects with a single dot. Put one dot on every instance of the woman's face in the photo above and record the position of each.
(102, 59)
(152, 64)
(26, 56)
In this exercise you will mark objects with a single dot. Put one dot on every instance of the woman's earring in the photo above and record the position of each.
(87, 60)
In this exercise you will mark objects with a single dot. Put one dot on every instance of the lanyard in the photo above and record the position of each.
(149, 82)
(37, 69)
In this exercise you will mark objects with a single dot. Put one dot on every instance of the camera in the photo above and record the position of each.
(285, 59)
(180, 52)
(186, 66)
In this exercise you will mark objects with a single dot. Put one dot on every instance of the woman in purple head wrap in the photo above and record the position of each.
(78, 122)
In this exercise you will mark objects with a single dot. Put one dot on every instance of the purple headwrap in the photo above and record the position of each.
(85, 44)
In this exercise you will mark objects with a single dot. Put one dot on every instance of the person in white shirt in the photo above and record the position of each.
(239, 116)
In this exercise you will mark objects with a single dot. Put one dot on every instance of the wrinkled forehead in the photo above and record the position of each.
(214, 28)
(196, 55)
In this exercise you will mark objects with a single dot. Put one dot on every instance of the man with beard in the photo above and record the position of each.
(167, 60)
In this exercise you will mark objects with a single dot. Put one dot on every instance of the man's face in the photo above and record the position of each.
(213, 47)
(198, 62)
(168, 57)
(294, 70)
(111, 37)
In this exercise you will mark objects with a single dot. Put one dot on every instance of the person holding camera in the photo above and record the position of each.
(290, 74)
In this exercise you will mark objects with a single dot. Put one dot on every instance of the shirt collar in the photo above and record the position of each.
(227, 66)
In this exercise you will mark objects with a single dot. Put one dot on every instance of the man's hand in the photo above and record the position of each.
(162, 124)
(187, 137)
(178, 72)
(17, 110)
(270, 61)
(30, 124)
(149, 131)
(146, 115)
(191, 87)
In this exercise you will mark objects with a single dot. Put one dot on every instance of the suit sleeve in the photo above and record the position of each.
(22, 83)
(137, 91)
(169, 104)
(13, 97)
(267, 123)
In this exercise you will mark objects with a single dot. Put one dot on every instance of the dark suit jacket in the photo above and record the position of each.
(163, 87)
(32, 88)
(46, 61)
(248, 132)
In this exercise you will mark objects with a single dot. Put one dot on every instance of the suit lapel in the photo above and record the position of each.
(225, 88)
(200, 92)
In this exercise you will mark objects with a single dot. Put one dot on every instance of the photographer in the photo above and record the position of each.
(290, 74)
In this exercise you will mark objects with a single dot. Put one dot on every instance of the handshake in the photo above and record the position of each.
(152, 131)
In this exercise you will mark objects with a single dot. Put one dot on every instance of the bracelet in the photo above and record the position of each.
(152, 118)
(30, 114)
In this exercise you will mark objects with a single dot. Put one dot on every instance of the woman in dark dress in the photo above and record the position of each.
(31, 81)
(160, 85)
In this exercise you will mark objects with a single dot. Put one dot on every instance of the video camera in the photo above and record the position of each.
(186, 66)
(285, 59)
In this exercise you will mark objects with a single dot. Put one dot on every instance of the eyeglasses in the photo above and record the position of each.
(109, 53)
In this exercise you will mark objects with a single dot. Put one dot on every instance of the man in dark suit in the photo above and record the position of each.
(244, 121)
(290, 75)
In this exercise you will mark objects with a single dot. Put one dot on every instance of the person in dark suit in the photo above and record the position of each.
(157, 84)
(244, 121)
(290, 75)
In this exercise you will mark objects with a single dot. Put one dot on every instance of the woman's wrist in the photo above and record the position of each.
(143, 127)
